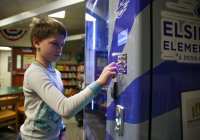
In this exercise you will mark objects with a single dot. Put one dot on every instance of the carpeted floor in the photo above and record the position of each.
(7, 134)
(72, 131)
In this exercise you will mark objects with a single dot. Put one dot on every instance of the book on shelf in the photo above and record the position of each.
(69, 68)
(66, 68)
(80, 68)
(60, 68)
(70, 76)
(69, 92)
(73, 75)
(69, 82)
(80, 75)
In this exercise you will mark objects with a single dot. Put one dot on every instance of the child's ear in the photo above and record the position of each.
(36, 43)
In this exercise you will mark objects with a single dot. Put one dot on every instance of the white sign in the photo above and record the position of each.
(181, 32)
(190, 115)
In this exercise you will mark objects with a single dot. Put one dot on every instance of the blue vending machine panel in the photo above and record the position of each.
(176, 70)
(129, 42)
(96, 58)
(156, 95)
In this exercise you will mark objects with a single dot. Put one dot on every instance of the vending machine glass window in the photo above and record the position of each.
(96, 58)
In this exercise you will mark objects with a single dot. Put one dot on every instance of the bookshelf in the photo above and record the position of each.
(69, 78)
(80, 73)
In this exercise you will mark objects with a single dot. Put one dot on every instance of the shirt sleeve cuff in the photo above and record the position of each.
(62, 126)
(95, 87)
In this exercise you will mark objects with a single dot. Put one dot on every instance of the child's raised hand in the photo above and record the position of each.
(109, 71)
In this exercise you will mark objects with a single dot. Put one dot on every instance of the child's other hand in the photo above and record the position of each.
(109, 71)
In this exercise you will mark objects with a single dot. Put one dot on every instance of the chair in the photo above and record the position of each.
(7, 115)
(21, 108)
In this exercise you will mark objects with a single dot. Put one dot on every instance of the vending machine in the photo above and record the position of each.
(156, 95)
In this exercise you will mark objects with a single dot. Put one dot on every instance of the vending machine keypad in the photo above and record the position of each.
(123, 66)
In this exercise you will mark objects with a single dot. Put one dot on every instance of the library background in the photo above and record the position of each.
(16, 55)
(72, 77)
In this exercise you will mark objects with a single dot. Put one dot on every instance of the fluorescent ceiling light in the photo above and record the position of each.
(4, 48)
(89, 17)
(75, 37)
(58, 14)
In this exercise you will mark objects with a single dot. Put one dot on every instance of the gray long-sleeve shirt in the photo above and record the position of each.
(45, 103)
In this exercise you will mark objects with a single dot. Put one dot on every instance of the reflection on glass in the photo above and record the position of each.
(96, 58)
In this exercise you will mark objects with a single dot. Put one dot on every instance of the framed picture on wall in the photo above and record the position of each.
(66, 56)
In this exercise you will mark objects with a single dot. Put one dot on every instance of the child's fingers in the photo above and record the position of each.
(111, 64)
(113, 74)
(112, 68)
(113, 71)
(119, 63)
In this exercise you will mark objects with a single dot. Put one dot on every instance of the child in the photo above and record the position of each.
(45, 103)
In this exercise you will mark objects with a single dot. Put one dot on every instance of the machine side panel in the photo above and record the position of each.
(176, 73)
(133, 88)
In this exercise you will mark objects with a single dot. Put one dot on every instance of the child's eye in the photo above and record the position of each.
(55, 43)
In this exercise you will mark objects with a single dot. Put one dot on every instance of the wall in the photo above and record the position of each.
(74, 47)
(4, 69)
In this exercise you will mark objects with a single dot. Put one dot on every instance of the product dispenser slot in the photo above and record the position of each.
(119, 120)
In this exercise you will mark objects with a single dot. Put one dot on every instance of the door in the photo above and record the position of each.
(22, 58)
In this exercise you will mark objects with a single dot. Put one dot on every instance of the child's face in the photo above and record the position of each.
(51, 47)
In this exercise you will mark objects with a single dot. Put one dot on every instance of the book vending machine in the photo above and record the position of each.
(156, 95)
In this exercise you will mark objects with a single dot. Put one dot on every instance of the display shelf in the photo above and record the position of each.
(68, 71)
(80, 70)
(69, 78)
(80, 74)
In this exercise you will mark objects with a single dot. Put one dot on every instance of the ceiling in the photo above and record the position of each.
(74, 19)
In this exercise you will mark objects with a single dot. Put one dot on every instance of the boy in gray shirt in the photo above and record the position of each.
(45, 104)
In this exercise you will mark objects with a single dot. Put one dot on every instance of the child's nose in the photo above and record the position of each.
(59, 48)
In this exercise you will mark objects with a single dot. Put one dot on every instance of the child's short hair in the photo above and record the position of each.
(43, 27)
